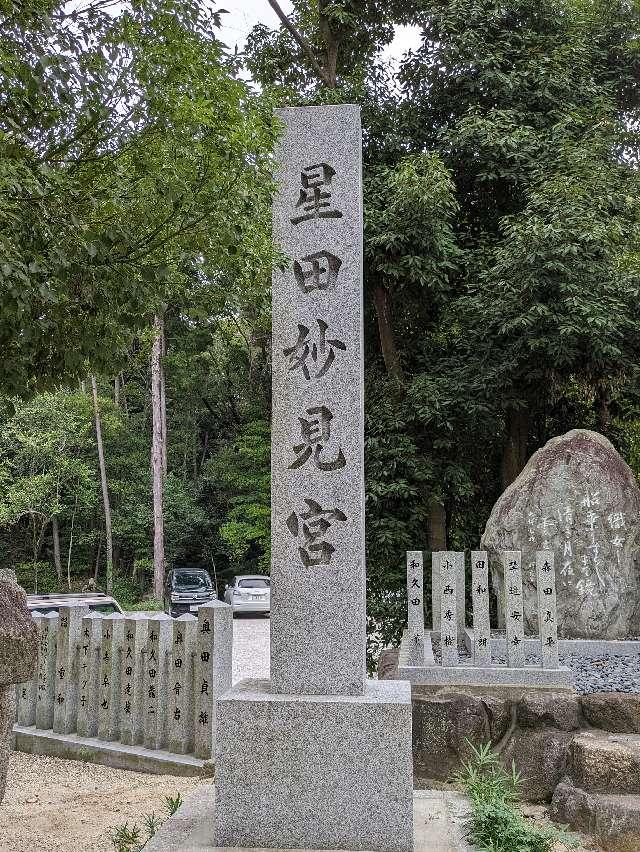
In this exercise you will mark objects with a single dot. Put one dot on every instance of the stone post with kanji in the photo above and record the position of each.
(293, 754)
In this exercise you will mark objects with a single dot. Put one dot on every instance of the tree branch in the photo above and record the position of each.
(304, 44)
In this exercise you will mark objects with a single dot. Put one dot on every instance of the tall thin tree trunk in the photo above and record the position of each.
(105, 491)
(382, 302)
(116, 391)
(73, 520)
(437, 527)
(163, 396)
(157, 464)
(514, 453)
(97, 565)
(603, 413)
(55, 535)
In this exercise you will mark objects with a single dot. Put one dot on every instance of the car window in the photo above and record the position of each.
(254, 583)
(103, 609)
(191, 580)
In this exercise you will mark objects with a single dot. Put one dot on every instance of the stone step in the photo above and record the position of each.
(617, 712)
(613, 820)
(601, 762)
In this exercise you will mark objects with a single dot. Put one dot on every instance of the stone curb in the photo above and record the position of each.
(113, 754)
(438, 818)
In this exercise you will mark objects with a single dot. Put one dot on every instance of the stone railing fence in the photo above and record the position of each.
(142, 679)
(417, 661)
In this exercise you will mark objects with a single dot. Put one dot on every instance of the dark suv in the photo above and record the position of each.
(185, 589)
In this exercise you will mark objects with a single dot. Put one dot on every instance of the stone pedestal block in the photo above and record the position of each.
(315, 771)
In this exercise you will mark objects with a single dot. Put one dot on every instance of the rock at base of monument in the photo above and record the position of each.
(315, 771)
(613, 819)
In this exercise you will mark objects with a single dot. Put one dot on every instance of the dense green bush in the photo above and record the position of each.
(496, 823)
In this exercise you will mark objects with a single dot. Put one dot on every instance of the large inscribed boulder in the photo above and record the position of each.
(18, 653)
(577, 497)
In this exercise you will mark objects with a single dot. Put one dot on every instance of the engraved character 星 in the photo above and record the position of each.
(315, 194)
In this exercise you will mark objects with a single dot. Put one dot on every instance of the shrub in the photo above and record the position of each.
(496, 823)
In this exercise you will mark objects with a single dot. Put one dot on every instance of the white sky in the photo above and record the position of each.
(243, 14)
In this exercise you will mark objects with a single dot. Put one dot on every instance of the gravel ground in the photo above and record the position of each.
(54, 805)
(601, 673)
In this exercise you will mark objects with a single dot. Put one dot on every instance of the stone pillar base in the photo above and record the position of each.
(315, 771)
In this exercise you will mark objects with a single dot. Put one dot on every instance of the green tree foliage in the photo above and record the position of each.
(132, 163)
(501, 252)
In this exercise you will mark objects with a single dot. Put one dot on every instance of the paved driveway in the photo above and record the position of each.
(250, 647)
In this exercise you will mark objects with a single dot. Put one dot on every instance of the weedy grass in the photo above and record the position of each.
(496, 823)
(132, 839)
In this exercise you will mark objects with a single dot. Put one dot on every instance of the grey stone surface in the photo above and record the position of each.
(319, 772)
(213, 671)
(46, 671)
(601, 762)
(435, 590)
(109, 678)
(114, 754)
(449, 608)
(513, 606)
(179, 685)
(613, 819)
(612, 712)
(132, 706)
(439, 819)
(7, 715)
(26, 692)
(547, 608)
(317, 457)
(550, 710)
(480, 598)
(577, 497)
(445, 727)
(415, 608)
(405, 649)
(488, 676)
(18, 635)
(65, 707)
(89, 658)
(154, 691)
(540, 756)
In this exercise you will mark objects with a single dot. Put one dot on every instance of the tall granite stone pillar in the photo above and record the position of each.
(299, 758)
(18, 655)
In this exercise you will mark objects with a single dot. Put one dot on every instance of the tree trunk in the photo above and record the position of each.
(105, 491)
(514, 453)
(55, 534)
(603, 414)
(163, 397)
(96, 568)
(116, 391)
(157, 461)
(382, 302)
(73, 520)
(437, 527)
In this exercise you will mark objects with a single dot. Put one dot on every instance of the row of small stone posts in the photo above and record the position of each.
(448, 602)
(141, 679)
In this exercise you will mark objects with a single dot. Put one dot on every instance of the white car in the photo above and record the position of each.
(249, 593)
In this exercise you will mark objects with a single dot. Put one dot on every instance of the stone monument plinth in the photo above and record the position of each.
(318, 757)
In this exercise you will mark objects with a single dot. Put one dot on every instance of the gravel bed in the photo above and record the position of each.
(601, 673)
(55, 805)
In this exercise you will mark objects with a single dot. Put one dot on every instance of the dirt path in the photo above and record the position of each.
(54, 805)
